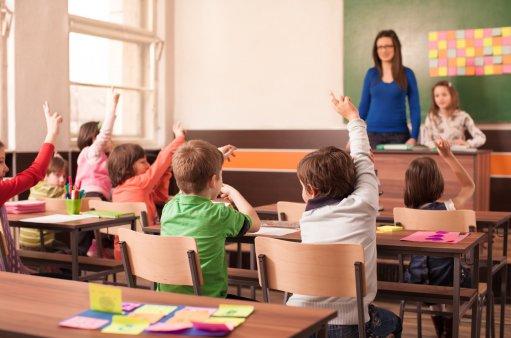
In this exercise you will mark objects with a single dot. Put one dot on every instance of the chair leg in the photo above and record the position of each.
(419, 320)
(402, 310)
(503, 296)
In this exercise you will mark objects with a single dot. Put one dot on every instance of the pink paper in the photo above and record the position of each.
(452, 71)
(213, 326)
(442, 62)
(487, 32)
(488, 60)
(470, 62)
(86, 323)
(442, 35)
(506, 69)
(130, 306)
(433, 44)
(168, 327)
(479, 71)
(460, 52)
(436, 236)
(469, 34)
(451, 44)
(479, 43)
(506, 41)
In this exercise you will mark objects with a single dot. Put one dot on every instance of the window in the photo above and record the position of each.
(112, 43)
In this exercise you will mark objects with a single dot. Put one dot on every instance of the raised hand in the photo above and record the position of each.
(228, 151)
(344, 107)
(444, 148)
(53, 122)
(178, 129)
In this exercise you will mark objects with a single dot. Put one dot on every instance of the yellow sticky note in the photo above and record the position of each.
(442, 71)
(470, 52)
(442, 44)
(150, 317)
(388, 228)
(433, 36)
(461, 43)
(226, 320)
(230, 310)
(126, 325)
(433, 54)
(488, 70)
(478, 33)
(460, 62)
(105, 298)
(506, 31)
(156, 309)
(487, 42)
(497, 50)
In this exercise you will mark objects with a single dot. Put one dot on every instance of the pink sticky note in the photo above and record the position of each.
(438, 237)
(506, 41)
(442, 35)
(213, 326)
(506, 69)
(451, 44)
(130, 306)
(433, 45)
(82, 322)
(487, 32)
(469, 34)
(452, 71)
(469, 62)
(488, 60)
(479, 70)
(460, 52)
(168, 327)
(479, 43)
(442, 62)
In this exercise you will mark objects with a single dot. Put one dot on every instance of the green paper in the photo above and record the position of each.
(156, 309)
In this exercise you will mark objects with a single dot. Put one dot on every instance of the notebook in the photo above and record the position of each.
(26, 206)
(107, 214)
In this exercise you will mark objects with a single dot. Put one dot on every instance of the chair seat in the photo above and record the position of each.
(243, 277)
(422, 292)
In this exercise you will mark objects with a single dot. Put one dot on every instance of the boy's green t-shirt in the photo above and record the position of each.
(210, 224)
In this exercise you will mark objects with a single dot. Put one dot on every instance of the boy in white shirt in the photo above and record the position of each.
(341, 193)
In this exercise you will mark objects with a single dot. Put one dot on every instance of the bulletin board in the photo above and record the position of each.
(486, 97)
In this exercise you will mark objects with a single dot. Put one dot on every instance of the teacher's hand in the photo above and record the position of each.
(411, 141)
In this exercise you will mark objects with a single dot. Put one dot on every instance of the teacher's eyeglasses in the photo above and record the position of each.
(384, 47)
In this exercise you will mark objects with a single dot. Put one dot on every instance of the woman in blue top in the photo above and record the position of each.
(386, 86)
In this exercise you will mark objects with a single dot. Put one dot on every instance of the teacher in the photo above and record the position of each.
(386, 87)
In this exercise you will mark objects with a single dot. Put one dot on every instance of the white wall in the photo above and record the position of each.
(265, 64)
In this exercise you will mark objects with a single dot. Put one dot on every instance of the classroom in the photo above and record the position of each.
(269, 78)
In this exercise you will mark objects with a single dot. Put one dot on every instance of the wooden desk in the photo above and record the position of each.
(391, 166)
(72, 227)
(33, 306)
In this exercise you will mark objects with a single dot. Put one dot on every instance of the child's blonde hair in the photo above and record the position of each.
(122, 160)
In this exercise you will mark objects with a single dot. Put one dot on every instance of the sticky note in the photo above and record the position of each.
(232, 320)
(497, 42)
(478, 33)
(442, 44)
(460, 34)
(470, 62)
(460, 52)
(451, 35)
(479, 61)
(388, 228)
(451, 44)
(497, 69)
(105, 298)
(497, 60)
(470, 52)
(487, 32)
(126, 325)
(506, 41)
(452, 71)
(460, 71)
(506, 31)
(169, 327)
(433, 54)
(488, 50)
(433, 36)
(130, 306)
(460, 62)
(487, 42)
(460, 43)
(149, 317)
(479, 43)
(442, 53)
(451, 62)
(213, 327)
(506, 69)
(433, 72)
(488, 69)
(451, 53)
(189, 314)
(230, 310)
(470, 43)
(433, 63)
(442, 35)
(433, 45)
(442, 71)
(85, 323)
(442, 62)
(496, 32)
(470, 70)
(488, 60)
(469, 34)
(479, 71)
(158, 309)
(506, 50)
(479, 51)
(506, 60)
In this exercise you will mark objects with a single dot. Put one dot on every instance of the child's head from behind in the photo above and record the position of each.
(87, 134)
(194, 164)
(3, 166)
(423, 182)
(327, 172)
(444, 97)
(126, 161)
(57, 171)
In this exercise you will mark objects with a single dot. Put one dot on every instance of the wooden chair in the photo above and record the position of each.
(435, 220)
(323, 270)
(290, 211)
(138, 208)
(3, 250)
(160, 259)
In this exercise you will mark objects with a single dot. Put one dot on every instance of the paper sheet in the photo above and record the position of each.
(274, 231)
(57, 218)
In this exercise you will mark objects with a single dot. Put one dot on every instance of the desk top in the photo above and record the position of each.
(33, 306)
(15, 220)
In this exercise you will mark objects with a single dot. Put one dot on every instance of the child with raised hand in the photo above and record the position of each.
(424, 185)
(24, 181)
(94, 141)
(447, 121)
(341, 195)
(197, 167)
(52, 186)
(135, 180)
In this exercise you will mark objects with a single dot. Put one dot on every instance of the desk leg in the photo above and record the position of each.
(489, 283)
(41, 240)
(456, 296)
(476, 314)
(503, 283)
(74, 254)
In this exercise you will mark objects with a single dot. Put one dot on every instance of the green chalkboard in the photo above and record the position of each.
(486, 98)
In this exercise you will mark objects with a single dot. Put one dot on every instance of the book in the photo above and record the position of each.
(394, 147)
(108, 214)
(25, 206)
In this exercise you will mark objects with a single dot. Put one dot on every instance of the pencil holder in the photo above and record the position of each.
(73, 206)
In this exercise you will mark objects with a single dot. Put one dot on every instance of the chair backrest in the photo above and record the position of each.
(310, 269)
(3, 251)
(160, 259)
(138, 208)
(290, 211)
(59, 204)
(447, 220)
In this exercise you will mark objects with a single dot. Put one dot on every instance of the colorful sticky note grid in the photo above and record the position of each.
(449, 52)
(126, 325)
(105, 298)
(229, 310)
(85, 323)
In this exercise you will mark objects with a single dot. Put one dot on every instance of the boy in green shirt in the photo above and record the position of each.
(197, 167)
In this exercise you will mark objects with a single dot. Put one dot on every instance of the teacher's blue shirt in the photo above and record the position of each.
(383, 105)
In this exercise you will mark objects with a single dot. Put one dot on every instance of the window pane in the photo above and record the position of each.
(90, 104)
(105, 61)
(126, 12)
